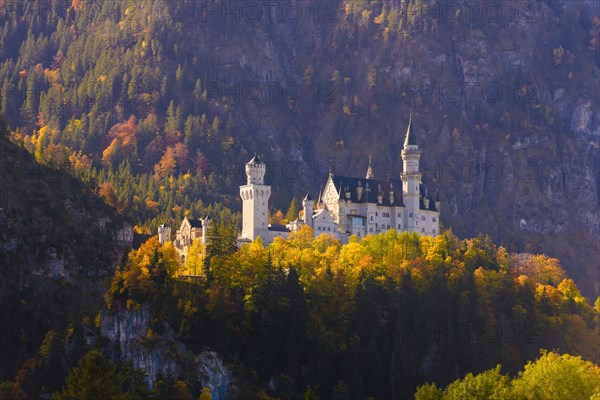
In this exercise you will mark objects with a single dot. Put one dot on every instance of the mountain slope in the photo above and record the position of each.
(59, 245)
(504, 101)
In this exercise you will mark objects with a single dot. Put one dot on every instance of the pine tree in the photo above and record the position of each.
(292, 212)
(94, 378)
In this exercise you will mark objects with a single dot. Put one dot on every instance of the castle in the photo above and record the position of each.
(346, 206)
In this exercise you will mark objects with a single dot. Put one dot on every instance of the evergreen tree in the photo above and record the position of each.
(292, 212)
(94, 378)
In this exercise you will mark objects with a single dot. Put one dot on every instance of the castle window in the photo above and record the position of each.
(357, 221)
(371, 218)
(422, 218)
(376, 214)
(398, 226)
(423, 230)
(410, 215)
(388, 227)
(434, 231)
(399, 215)
(433, 219)
(329, 229)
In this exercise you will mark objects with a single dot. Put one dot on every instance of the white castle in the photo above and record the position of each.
(346, 206)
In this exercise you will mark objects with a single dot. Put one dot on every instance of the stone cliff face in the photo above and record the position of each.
(59, 246)
(163, 355)
(505, 106)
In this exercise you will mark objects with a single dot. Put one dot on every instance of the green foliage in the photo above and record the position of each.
(489, 385)
(551, 376)
(194, 262)
(292, 212)
(312, 312)
(429, 391)
(97, 378)
(7, 390)
(171, 389)
(144, 275)
(557, 376)
(221, 242)
(205, 395)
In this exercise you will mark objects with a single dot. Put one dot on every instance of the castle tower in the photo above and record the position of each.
(307, 204)
(164, 234)
(255, 199)
(205, 227)
(411, 177)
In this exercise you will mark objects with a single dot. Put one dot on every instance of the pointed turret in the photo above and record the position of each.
(307, 205)
(411, 138)
(411, 177)
(437, 200)
(370, 174)
(255, 160)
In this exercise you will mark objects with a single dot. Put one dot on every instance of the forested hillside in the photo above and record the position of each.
(310, 318)
(157, 105)
(59, 247)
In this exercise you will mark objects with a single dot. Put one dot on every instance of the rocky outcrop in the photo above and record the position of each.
(164, 355)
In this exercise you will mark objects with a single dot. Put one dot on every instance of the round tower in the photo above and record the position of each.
(411, 177)
(255, 200)
(255, 171)
(307, 204)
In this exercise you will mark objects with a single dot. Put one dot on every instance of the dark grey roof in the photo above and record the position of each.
(278, 228)
(411, 138)
(346, 183)
(195, 223)
(255, 160)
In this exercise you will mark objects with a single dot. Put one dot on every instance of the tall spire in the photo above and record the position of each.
(370, 174)
(411, 139)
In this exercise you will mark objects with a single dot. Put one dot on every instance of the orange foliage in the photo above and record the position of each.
(166, 166)
(151, 205)
(123, 142)
(107, 192)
